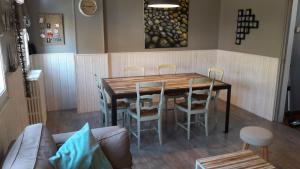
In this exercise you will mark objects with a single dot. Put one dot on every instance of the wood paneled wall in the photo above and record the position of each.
(253, 79)
(186, 61)
(86, 66)
(13, 116)
(59, 72)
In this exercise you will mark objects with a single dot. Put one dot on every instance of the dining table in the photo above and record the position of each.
(125, 88)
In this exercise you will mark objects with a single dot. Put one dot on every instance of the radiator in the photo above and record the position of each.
(36, 102)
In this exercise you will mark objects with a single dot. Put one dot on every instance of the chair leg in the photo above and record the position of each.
(139, 133)
(175, 116)
(246, 146)
(166, 110)
(106, 120)
(206, 124)
(215, 111)
(189, 126)
(101, 119)
(265, 153)
(123, 119)
(159, 131)
(129, 125)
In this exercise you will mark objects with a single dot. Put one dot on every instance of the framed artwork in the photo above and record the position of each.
(52, 29)
(166, 28)
(246, 21)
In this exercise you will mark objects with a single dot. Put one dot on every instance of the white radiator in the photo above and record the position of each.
(36, 102)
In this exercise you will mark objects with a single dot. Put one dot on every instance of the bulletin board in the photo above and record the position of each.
(52, 29)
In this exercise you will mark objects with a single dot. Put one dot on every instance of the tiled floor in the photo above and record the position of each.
(178, 153)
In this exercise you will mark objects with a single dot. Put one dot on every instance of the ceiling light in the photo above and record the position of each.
(163, 4)
(19, 1)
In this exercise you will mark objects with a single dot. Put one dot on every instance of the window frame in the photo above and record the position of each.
(4, 93)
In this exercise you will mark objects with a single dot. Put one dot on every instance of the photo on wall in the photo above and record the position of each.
(52, 29)
(166, 28)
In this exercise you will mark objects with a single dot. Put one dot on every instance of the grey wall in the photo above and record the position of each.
(212, 25)
(124, 25)
(53, 6)
(268, 39)
(90, 31)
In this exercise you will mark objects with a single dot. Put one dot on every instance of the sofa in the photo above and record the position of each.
(36, 144)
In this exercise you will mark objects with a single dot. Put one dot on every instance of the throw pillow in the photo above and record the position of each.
(77, 152)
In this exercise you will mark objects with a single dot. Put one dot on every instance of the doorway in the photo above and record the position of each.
(288, 100)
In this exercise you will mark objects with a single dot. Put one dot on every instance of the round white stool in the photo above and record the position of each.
(257, 136)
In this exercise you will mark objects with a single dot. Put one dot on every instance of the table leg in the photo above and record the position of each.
(114, 108)
(227, 109)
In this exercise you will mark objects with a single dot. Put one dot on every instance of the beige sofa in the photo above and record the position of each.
(35, 145)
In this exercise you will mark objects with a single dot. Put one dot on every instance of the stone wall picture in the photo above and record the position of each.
(166, 28)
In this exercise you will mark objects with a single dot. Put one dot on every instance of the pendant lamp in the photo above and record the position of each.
(163, 4)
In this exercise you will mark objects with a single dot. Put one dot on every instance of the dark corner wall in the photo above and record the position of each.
(268, 40)
(118, 26)
(295, 68)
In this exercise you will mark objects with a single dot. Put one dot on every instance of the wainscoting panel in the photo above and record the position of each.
(253, 80)
(14, 114)
(186, 61)
(86, 66)
(59, 73)
(253, 77)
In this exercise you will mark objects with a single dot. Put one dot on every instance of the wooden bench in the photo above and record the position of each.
(242, 159)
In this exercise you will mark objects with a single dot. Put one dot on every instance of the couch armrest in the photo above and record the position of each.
(98, 133)
(114, 142)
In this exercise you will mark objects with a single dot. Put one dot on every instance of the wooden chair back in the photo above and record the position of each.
(216, 73)
(102, 95)
(167, 69)
(208, 92)
(134, 71)
(140, 87)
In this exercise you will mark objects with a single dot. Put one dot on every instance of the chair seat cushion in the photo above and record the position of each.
(256, 136)
(175, 95)
(146, 112)
(200, 96)
(194, 106)
(120, 105)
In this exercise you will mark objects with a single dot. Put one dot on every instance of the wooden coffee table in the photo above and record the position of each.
(242, 159)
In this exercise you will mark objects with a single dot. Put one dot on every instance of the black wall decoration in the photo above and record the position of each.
(245, 22)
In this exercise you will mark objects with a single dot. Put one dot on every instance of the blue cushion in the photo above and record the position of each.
(100, 161)
(77, 152)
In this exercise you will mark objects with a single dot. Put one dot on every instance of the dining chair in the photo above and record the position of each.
(105, 106)
(195, 107)
(134, 71)
(146, 112)
(169, 69)
(217, 74)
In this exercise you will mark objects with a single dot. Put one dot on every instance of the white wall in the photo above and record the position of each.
(187, 61)
(59, 75)
(86, 66)
(13, 116)
(253, 77)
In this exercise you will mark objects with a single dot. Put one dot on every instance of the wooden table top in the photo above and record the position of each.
(126, 85)
(242, 159)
